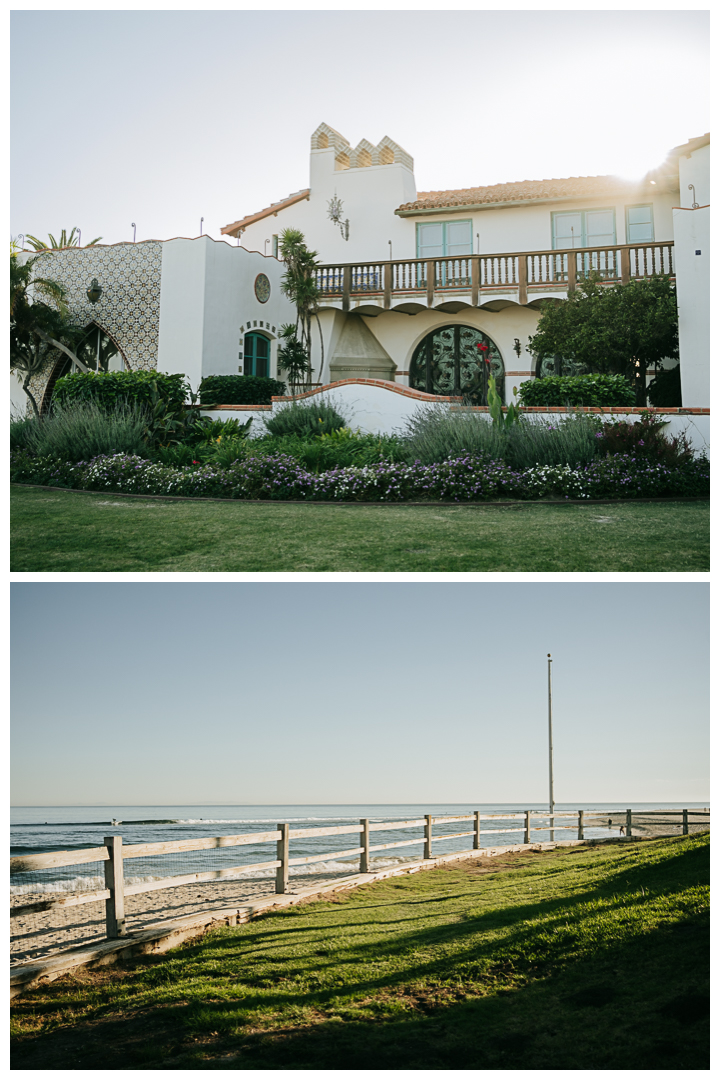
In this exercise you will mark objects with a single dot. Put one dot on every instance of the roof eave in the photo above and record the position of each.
(237, 226)
(466, 207)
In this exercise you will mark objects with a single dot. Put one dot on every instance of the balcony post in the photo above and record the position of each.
(572, 271)
(347, 274)
(388, 283)
(625, 265)
(430, 267)
(522, 279)
(475, 280)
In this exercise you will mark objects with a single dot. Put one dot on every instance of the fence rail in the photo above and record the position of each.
(429, 278)
(114, 854)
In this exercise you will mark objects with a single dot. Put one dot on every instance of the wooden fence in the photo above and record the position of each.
(113, 854)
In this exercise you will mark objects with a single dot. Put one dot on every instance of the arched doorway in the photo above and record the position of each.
(257, 355)
(456, 360)
(95, 349)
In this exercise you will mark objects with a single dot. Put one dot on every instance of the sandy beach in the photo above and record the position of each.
(41, 934)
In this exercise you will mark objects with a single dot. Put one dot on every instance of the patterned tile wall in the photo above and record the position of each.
(129, 308)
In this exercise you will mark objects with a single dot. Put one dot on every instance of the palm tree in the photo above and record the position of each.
(298, 284)
(65, 240)
(36, 327)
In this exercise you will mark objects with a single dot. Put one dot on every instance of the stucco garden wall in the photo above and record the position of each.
(385, 408)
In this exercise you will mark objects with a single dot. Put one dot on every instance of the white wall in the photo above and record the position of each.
(692, 235)
(208, 304)
(382, 409)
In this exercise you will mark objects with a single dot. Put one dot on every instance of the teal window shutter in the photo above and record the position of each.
(444, 238)
(584, 228)
(639, 224)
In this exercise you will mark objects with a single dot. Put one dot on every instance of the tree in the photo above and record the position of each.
(292, 357)
(299, 285)
(65, 240)
(37, 328)
(622, 329)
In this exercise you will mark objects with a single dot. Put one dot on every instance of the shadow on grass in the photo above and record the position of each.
(529, 999)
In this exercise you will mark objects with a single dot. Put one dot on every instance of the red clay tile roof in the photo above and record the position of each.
(573, 187)
(237, 226)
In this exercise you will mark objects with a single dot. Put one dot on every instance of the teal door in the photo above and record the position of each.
(257, 355)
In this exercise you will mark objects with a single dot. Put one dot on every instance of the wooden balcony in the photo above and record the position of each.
(490, 281)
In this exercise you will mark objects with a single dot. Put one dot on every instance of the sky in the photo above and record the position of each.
(162, 118)
(243, 693)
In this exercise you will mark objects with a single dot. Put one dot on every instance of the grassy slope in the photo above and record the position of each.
(584, 958)
(70, 531)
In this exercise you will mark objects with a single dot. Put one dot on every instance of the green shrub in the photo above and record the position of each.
(239, 390)
(110, 388)
(601, 391)
(306, 418)
(336, 449)
(568, 440)
(645, 438)
(664, 391)
(20, 430)
(84, 430)
(436, 433)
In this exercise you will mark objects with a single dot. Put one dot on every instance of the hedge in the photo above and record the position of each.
(110, 388)
(597, 390)
(239, 390)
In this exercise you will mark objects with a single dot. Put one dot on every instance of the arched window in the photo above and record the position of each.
(257, 355)
(98, 351)
(95, 349)
(457, 360)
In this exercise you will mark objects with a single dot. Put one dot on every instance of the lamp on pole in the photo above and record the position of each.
(201, 225)
(134, 228)
(550, 747)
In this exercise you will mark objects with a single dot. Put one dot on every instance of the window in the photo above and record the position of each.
(257, 355)
(639, 224)
(275, 246)
(584, 228)
(444, 238)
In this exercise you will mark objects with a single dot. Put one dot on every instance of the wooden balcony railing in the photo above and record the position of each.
(432, 279)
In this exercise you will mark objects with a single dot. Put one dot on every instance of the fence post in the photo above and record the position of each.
(365, 844)
(476, 837)
(581, 828)
(283, 854)
(427, 853)
(115, 903)
(685, 823)
(628, 822)
(526, 839)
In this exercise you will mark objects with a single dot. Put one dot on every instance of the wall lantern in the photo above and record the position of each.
(517, 347)
(94, 292)
(335, 210)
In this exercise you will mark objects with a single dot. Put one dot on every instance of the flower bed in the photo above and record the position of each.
(461, 479)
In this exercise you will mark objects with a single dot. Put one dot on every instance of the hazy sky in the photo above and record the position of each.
(237, 693)
(163, 117)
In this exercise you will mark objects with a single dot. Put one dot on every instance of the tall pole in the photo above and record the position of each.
(550, 747)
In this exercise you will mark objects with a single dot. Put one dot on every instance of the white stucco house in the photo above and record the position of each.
(411, 283)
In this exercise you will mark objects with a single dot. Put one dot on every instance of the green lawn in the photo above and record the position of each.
(580, 958)
(78, 531)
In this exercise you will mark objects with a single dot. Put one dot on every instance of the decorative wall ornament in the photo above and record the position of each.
(262, 288)
(335, 211)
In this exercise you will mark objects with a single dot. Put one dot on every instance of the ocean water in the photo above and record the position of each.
(68, 828)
